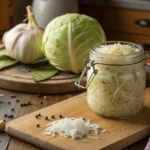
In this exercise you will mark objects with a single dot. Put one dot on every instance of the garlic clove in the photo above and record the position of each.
(23, 42)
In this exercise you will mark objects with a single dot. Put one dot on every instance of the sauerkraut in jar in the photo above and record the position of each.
(117, 90)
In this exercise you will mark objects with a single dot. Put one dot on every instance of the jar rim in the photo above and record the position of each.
(113, 42)
(129, 58)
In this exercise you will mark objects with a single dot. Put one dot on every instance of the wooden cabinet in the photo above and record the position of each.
(124, 20)
(4, 15)
(121, 24)
(123, 36)
(6, 12)
(93, 11)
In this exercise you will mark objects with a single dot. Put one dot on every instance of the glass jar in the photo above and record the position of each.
(115, 83)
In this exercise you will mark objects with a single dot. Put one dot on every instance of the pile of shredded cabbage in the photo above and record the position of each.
(117, 49)
(72, 127)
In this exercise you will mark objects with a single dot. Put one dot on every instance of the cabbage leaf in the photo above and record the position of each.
(3, 54)
(7, 62)
(40, 75)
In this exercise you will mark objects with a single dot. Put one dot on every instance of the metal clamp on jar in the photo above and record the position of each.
(88, 65)
(115, 83)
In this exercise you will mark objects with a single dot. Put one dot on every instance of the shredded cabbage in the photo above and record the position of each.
(72, 127)
(117, 49)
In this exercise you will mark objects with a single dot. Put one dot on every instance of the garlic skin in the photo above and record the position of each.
(23, 42)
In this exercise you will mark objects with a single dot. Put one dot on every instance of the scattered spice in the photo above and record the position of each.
(12, 109)
(60, 116)
(29, 103)
(17, 101)
(45, 97)
(65, 97)
(40, 95)
(9, 102)
(12, 96)
(46, 118)
(84, 119)
(5, 115)
(53, 116)
(1, 94)
(10, 116)
(25, 104)
(39, 115)
(41, 103)
(37, 125)
(36, 116)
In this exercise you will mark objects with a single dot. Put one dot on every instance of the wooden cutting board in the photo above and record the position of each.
(19, 78)
(120, 133)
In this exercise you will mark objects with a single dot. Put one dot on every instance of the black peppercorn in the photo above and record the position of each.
(10, 116)
(17, 101)
(24, 104)
(46, 118)
(84, 119)
(40, 95)
(60, 116)
(29, 103)
(36, 116)
(38, 125)
(53, 116)
(12, 96)
(39, 115)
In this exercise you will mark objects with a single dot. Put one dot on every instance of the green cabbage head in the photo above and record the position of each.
(67, 41)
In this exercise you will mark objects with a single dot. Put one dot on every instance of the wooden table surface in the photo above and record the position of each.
(10, 143)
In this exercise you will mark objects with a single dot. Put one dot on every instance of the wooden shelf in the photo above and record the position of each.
(119, 23)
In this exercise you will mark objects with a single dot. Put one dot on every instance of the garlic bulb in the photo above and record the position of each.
(23, 42)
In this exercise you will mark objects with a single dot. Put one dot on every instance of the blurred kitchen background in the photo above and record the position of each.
(127, 20)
